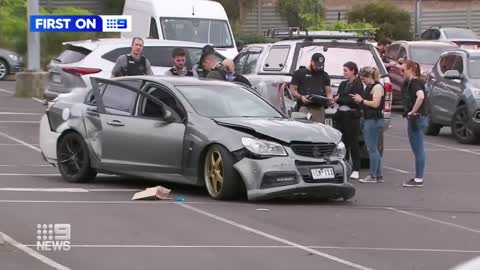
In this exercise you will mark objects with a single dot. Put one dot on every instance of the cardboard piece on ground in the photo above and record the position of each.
(153, 193)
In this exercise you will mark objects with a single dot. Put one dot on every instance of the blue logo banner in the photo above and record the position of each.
(82, 23)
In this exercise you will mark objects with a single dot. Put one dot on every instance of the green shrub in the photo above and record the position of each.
(392, 22)
(306, 14)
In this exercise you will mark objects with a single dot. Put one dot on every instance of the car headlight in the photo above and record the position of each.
(263, 148)
(341, 151)
(476, 92)
(13, 57)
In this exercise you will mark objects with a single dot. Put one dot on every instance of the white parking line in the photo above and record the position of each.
(435, 220)
(38, 100)
(19, 113)
(6, 91)
(15, 144)
(20, 142)
(274, 247)
(439, 145)
(68, 189)
(274, 238)
(19, 122)
(395, 169)
(40, 165)
(30, 174)
(33, 253)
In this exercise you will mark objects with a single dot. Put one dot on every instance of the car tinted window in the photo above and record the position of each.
(72, 54)
(240, 62)
(169, 101)
(427, 35)
(393, 52)
(251, 64)
(427, 55)
(458, 64)
(474, 67)
(335, 58)
(119, 98)
(215, 32)
(446, 63)
(234, 101)
(160, 56)
(277, 57)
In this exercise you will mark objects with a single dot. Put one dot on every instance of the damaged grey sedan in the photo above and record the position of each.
(221, 135)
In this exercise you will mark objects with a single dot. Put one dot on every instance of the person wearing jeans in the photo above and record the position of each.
(416, 113)
(372, 103)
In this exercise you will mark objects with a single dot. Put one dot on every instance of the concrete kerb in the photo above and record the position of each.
(31, 84)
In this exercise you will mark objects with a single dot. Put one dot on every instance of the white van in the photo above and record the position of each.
(201, 21)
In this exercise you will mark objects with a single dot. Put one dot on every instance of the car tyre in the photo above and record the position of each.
(432, 129)
(4, 69)
(74, 160)
(223, 182)
(459, 127)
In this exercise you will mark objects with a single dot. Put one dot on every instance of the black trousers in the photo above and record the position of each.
(348, 123)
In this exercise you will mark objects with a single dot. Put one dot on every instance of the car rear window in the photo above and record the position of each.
(72, 54)
(427, 55)
(277, 57)
(160, 56)
(336, 57)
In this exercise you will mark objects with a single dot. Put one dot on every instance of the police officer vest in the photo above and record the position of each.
(369, 112)
(135, 68)
(173, 71)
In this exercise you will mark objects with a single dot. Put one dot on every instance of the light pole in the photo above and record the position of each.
(33, 39)
(418, 14)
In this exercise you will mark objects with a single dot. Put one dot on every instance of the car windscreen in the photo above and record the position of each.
(216, 101)
(460, 33)
(214, 32)
(474, 67)
(336, 57)
(427, 55)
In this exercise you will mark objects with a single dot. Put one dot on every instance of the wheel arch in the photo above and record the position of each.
(93, 158)
(7, 63)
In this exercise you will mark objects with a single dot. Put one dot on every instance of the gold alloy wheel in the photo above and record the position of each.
(214, 172)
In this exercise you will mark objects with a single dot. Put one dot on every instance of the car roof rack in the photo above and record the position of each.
(294, 33)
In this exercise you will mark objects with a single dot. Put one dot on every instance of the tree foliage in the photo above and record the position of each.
(392, 22)
(303, 13)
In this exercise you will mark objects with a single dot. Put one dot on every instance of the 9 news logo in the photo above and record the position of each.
(53, 237)
(71, 23)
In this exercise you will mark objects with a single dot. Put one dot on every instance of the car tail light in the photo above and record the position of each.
(388, 97)
(81, 70)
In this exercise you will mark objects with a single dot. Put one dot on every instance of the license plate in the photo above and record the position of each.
(329, 122)
(326, 173)
(57, 78)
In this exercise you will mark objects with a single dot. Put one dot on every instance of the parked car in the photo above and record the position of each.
(10, 63)
(82, 59)
(426, 53)
(270, 67)
(222, 135)
(454, 95)
(463, 37)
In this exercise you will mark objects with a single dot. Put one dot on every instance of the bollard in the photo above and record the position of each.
(31, 84)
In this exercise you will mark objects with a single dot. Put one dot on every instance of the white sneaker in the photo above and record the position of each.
(355, 175)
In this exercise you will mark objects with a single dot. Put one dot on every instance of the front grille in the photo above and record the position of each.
(318, 150)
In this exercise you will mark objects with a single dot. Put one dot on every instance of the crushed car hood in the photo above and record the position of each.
(285, 130)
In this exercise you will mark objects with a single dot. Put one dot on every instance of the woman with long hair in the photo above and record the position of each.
(347, 118)
(372, 103)
(415, 111)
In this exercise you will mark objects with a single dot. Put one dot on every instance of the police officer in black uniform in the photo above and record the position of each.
(312, 80)
(134, 63)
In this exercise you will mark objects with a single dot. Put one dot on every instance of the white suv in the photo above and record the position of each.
(82, 59)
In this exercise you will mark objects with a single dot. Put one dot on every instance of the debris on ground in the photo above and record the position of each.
(153, 193)
(263, 209)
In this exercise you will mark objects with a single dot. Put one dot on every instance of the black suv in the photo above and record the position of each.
(454, 95)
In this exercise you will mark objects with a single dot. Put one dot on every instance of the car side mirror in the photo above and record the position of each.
(299, 116)
(453, 75)
(169, 117)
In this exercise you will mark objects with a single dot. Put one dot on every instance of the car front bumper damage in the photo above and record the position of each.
(291, 176)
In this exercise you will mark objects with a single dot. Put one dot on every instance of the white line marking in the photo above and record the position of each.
(273, 237)
(427, 149)
(439, 145)
(33, 253)
(435, 220)
(275, 247)
(19, 122)
(6, 91)
(46, 189)
(19, 113)
(38, 100)
(113, 189)
(29, 174)
(43, 165)
(395, 169)
(14, 144)
(20, 142)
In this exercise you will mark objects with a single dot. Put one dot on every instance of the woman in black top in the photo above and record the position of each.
(347, 118)
(415, 112)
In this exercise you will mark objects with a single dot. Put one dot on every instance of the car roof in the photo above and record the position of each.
(469, 52)
(180, 80)
(93, 44)
(295, 41)
(425, 43)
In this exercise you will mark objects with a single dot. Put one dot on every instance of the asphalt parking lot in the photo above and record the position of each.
(384, 227)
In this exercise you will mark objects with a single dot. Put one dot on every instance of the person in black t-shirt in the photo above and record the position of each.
(347, 118)
(415, 112)
(312, 80)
